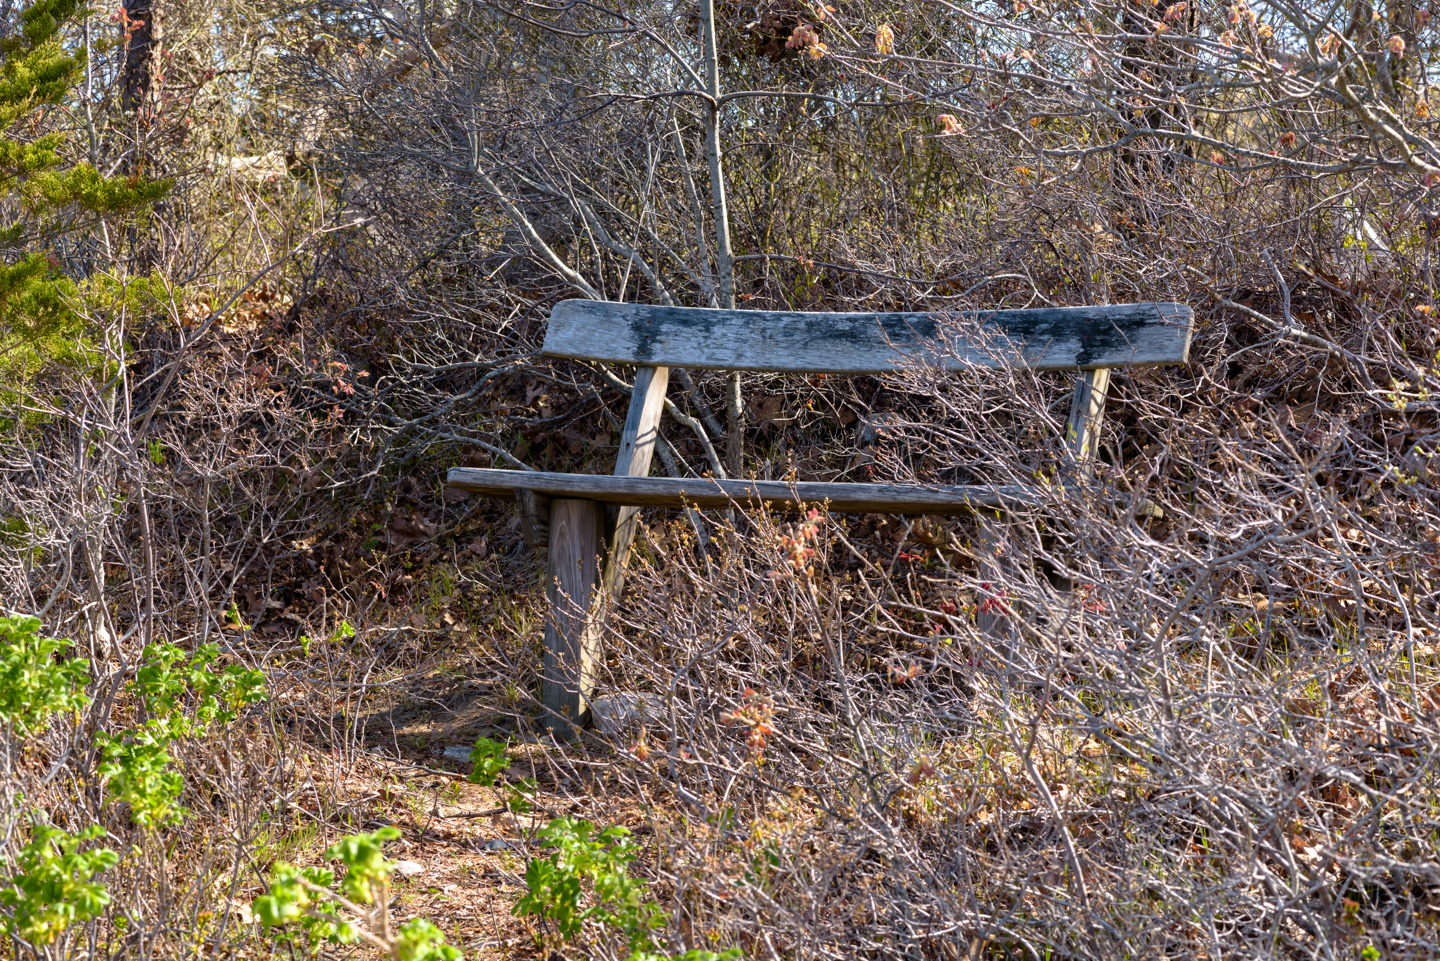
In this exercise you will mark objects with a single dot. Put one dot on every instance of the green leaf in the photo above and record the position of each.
(137, 771)
(419, 940)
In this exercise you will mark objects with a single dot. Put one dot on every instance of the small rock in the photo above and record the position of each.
(243, 911)
(617, 713)
(1145, 507)
(408, 869)
(871, 428)
(496, 845)
(457, 752)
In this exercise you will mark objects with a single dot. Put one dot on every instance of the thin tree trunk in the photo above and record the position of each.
(724, 257)
(135, 78)
(725, 260)
(702, 249)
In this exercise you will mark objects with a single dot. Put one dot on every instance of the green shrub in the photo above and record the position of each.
(587, 878)
(181, 699)
(301, 909)
(490, 762)
(34, 684)
(49, 883)
(50, 889)
(137, 771)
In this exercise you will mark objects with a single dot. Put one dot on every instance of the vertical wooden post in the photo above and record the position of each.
(993, 603)
(1082, 440)
(574, 584)
(1087, 414)
(1082, 433)
(571, 628)
(637, 449)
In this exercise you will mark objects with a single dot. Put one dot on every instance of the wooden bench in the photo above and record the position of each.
(583, 547)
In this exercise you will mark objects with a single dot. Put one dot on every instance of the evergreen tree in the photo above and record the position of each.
(42, 192)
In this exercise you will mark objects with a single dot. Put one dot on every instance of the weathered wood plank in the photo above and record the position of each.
(1061, 338)
(571, 630)
(708, 492)
(637, 449)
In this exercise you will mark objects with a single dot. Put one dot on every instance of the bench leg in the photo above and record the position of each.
(1087, 414)
(572, 637)
(993, 617)
(998, 560)
(637, 448)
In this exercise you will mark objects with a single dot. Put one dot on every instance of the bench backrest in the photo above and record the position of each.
(1058, 338)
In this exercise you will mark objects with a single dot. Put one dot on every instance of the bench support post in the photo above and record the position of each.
(580, 552)
(993, 617)
(1087, 414)
(572, 623)
(637, 448)
(997, 560)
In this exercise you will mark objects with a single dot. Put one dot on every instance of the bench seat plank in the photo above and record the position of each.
(1060, 338)
(708, 492)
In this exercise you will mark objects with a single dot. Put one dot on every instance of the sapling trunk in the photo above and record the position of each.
(724, 257)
